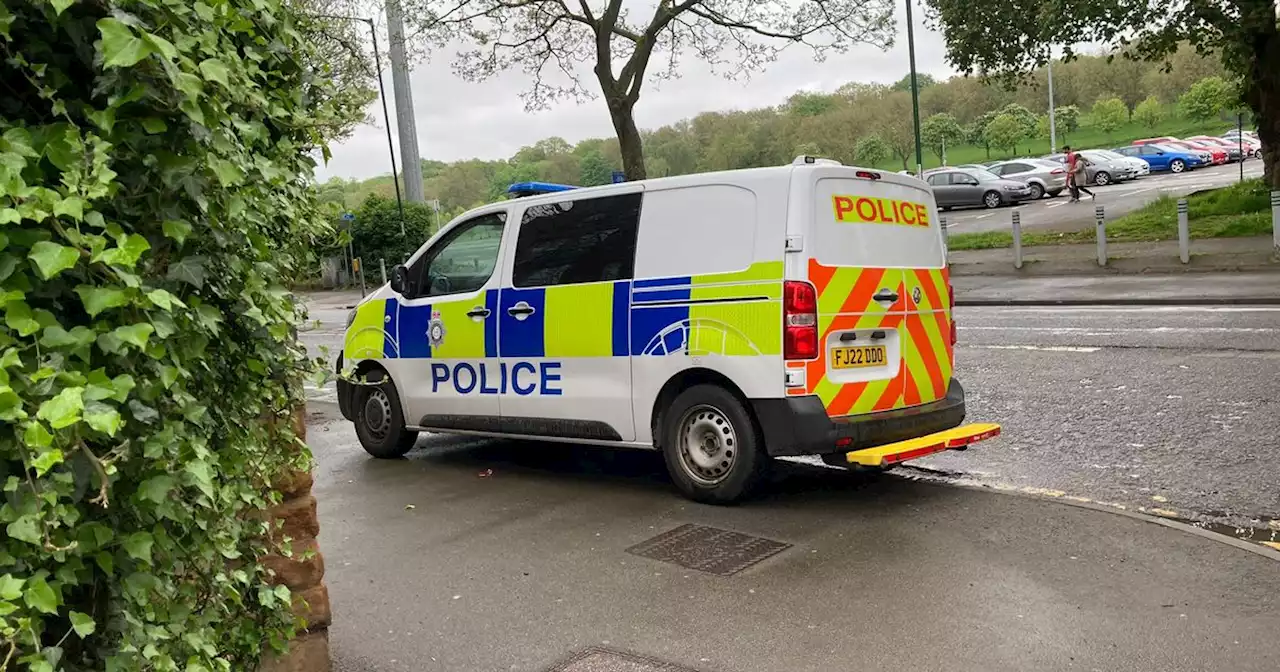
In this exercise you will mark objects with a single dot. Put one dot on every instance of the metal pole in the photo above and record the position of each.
(1053, 126)
(1101, 233)
(1240, 141)
(386, 118)
(944, 151)
(382, 264)
(351, 248)
(409, 160)
(1184, 233)
(1275, 221)
(1017, 240)
(360, 269)
(915, 90)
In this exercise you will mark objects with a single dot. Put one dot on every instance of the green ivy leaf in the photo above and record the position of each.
(25, 528)
(36, 436)
(57, 337)
(190, 270)
(201, 476)
(52, 258)
(138, 546)
(215, 70)
(40, 596)
(10, 587)
(45, 461)
(175, 229)
(122, 384)
(60, 6)
(83, 624)
(98, 299)
(64, 409)
(103, 418)
(154, 125)
(70, 206)
(127, 252)
(156, 488)
(120, 47)
(228, 173)
(164, 300)
(161, 46)
(18, 317)
(135, 334)
(9, 216)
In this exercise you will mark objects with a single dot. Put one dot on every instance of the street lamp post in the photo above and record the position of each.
(915, 90)
(1053, 128)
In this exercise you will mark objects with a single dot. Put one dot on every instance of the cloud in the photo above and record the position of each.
(456, 119)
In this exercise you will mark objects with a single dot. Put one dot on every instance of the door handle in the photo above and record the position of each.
(521, 310)
(480, 312)
(886, 296)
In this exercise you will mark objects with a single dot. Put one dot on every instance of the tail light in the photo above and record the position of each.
(799, 320)
(951, 300)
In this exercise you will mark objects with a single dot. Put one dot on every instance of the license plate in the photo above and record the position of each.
(857, 357)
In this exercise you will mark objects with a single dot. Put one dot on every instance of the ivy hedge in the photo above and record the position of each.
(155, 202)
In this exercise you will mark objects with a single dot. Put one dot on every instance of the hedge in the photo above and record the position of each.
(155, 201)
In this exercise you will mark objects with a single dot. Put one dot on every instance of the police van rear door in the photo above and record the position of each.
(875, 255)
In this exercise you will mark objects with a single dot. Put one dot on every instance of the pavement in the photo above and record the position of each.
(1211, 255)
(1187, 289)
(1057, 214)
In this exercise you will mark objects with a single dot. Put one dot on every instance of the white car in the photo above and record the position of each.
(1140, 168)
(721, 318)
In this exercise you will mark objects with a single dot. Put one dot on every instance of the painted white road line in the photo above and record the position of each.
(985, 216)
(1039, 348)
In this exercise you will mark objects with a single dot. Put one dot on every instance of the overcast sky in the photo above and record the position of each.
(461, 120)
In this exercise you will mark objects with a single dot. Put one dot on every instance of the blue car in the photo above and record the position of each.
(1164, 157)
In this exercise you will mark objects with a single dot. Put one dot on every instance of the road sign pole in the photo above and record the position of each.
(1275, 221)
(1017, 240)
(915, 90)
(382, 264)
(1184, 234)
(1100, 216)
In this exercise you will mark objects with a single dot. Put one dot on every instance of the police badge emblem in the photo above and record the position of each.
(915, 295)
(436, 330)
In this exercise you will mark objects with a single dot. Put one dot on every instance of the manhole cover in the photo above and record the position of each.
(604, 660)
(708, 549)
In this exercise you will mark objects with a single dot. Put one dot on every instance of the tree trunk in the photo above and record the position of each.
(1262, 84)
(629, 142)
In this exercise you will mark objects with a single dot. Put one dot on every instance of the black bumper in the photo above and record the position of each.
(801, 426)
(346, 391)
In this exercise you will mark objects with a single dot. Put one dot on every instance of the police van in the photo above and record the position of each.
(723, 318)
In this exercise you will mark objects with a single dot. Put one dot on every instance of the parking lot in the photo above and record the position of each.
(1059, 214)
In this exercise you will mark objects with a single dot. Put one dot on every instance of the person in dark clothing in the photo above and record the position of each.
(1077, 173)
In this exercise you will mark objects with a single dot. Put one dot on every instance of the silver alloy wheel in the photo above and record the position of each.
(1177, 166)
(1037, 192)
(1102, 179)
(708, 444)
(991, 200)
(377, 413)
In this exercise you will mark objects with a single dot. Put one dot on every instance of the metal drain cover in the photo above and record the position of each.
(708, 549)
(597, 659)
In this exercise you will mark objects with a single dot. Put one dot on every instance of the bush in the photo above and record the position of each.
(375, 233)
(154, 202)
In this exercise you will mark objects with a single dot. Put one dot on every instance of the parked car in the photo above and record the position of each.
(960, 187)
(971, 166)
(1041, 176)
(1217, 155)
(1238, 148)
(1163, 157)
(1101, 170)
(1139, 166)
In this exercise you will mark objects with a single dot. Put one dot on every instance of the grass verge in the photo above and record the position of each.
(1237, 211)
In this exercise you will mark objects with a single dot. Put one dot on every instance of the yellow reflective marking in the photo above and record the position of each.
(880, 455)
(365, 336)
(579, 320)
(463, 335)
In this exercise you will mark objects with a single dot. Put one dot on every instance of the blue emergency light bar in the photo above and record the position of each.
(522, 189)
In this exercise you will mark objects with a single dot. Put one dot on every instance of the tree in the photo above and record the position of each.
(1206, 98)
(806, 104)
(375, 233)
(871, 151)
(1067, 119)
(1108, 114)
(939, 131)
(552, 41)
(1025, 118)
(1245, 33)
(1149, 112)
(595, 170)
(1004, 132)
(893, 123)
(977, 131)
(923, 81)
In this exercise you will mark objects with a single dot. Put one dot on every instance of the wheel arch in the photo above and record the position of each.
(684, 380)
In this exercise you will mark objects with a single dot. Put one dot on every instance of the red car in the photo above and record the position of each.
(1248, 147)
(1156, 141)
(1218, 154)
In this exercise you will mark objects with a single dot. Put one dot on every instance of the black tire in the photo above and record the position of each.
(944, 208)
(1177, 166)
(1102, 178)
(1055, 193)
(1037, 191)
(379, 420)
(992, 199)
(713, 451)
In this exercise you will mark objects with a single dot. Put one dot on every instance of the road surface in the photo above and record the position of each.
(1058, 214)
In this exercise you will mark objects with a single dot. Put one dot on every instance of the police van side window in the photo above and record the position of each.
(463, 261)
(587, 240)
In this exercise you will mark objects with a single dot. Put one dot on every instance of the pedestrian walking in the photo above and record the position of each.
(1077, 172)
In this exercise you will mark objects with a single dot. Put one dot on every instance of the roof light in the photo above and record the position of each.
(523, 189)
(867, 175)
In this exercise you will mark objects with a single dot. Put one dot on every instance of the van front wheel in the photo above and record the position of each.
(711, 446)
(379, 420)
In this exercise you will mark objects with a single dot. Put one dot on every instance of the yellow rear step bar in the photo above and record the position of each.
(901, 451)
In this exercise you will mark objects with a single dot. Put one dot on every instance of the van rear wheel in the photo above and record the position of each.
(379, 420)
(710, 444)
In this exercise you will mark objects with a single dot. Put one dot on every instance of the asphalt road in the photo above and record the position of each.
(1058, 214)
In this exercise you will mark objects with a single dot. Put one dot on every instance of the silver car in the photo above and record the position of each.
(1141, 168)
(1041, 176)
(960, 187)
(1100, 170)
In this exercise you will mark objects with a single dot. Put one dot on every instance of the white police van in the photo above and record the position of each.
(723, 318)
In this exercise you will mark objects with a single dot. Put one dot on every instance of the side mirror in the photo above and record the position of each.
(399, 279)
